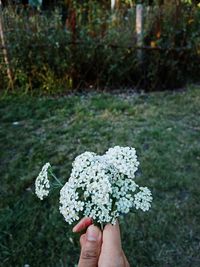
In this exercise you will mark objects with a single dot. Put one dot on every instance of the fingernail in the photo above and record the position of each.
(92, 233)
(75, 228)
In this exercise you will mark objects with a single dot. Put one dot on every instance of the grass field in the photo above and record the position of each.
(165, 130)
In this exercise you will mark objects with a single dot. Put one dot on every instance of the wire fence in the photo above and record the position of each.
(149, 49)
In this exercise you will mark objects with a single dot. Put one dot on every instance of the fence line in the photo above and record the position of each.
(159, 48)
(135, 46)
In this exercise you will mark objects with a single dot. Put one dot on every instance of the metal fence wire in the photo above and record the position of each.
(143, 47)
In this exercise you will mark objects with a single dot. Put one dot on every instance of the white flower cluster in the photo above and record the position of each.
(42, 184)
(103, 187)
(124, 159)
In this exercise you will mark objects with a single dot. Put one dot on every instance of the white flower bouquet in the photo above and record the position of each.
(99, 187)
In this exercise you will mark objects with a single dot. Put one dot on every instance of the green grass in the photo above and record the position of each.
(165, 130)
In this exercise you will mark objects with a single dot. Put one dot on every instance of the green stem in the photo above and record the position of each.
(100, 225)
(55, 178)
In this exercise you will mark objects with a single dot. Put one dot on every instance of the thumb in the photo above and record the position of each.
(90, 247)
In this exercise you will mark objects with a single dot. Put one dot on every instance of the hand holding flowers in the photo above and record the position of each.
(100, 248)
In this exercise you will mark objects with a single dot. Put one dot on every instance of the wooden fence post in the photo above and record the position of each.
(4, 49)
(113, 2)
(139, 29)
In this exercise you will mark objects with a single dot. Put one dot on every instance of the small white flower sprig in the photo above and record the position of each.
(42, 184)
(100, 187)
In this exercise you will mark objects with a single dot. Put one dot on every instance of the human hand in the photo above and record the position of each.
(102, 249)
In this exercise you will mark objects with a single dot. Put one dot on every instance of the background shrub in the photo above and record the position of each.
(96, 48)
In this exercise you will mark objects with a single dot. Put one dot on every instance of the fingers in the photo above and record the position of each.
(111, 237)
(84, 223)
(90, 247)
(111, 251)
(94, 252)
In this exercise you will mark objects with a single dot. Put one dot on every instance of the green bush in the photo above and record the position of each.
(37, 55)
(98, 50)
(174, 29)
